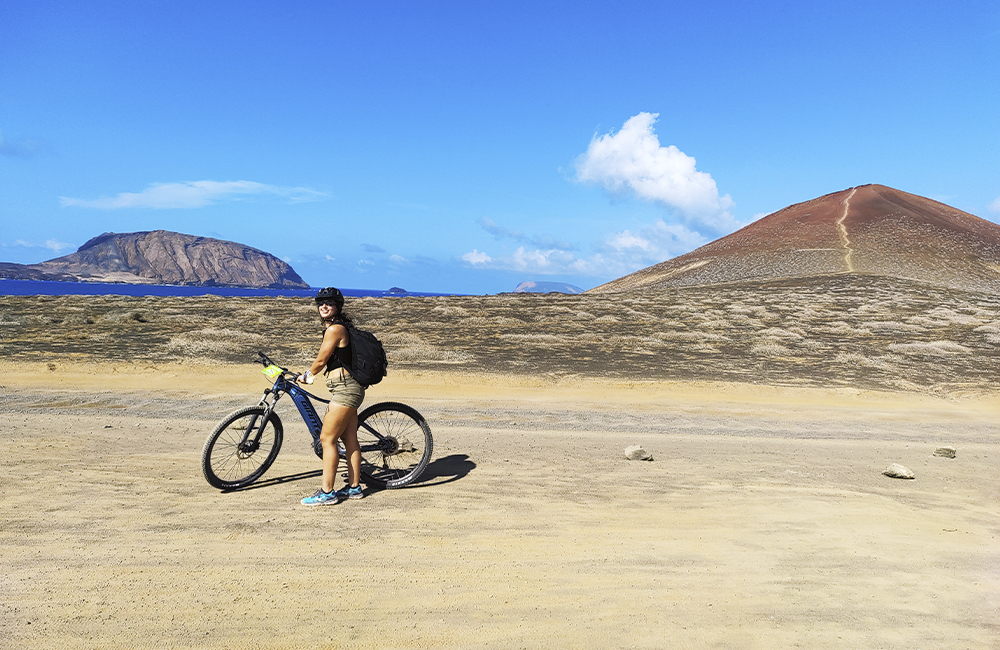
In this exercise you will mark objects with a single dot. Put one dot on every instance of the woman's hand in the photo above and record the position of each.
(306, 378)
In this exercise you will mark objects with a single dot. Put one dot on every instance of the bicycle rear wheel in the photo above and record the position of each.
(241, 448)
(396, 444)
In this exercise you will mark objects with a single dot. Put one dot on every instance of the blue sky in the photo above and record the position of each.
(468, 146)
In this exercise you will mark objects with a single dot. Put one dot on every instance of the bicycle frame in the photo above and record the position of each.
(301, 398)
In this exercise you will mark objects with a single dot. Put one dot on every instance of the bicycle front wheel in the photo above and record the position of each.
(396, 444)
(241, 448)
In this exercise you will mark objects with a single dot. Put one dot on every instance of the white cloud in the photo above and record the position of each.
(625, 240)
(330, 259)
(633, 160)
(540, 241)
(995, 206)
(619, 254)
(51, 244)
(192, 194)
(397, 259)
(476, 258)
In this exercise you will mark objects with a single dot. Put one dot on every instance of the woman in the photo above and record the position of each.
(341, 419)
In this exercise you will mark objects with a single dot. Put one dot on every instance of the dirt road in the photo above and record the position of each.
(762, 522)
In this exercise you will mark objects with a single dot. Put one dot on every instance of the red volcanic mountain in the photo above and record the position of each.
(867, 230)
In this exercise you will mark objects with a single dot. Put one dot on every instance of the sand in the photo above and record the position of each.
(763, 521)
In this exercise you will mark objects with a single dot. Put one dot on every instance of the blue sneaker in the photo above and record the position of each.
(321, 498)
(348, 492)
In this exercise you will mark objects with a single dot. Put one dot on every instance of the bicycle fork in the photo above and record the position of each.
(253, 431)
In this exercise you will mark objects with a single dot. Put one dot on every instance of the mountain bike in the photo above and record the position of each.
(396, 442)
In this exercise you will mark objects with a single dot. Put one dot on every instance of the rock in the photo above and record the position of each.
(635, 452)
(945, 452)
(164, 257)
(898, 471)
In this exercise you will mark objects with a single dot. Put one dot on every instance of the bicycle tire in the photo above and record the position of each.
(226, 463)
(402, 454)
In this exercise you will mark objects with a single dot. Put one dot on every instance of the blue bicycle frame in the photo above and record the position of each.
(301, 398)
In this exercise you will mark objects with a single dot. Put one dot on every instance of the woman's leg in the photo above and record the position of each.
(353, 450)
(336, 423)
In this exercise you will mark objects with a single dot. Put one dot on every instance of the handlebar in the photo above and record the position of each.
(264, 360)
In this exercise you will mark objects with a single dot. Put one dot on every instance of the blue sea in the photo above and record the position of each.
(49, 288)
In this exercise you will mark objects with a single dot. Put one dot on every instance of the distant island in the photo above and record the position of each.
(163, 257)
(530, 286)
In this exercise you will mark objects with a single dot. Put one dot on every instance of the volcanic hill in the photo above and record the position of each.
(868, 230)
(163, 257)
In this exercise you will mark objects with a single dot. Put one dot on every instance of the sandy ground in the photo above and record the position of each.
(763, 522)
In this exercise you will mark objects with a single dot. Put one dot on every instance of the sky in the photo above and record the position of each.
(469, 146)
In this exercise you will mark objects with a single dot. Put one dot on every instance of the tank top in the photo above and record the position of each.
(341, 357)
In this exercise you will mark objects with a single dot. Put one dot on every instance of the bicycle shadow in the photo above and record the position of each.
(444, 470)
(438, 472)
(277, 480)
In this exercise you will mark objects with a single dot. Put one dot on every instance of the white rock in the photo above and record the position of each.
(898, 471)
(945, 452)
(635, 452)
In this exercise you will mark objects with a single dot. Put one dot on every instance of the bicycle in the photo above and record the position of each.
(395, 440)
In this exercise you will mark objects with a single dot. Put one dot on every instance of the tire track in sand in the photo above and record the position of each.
(845, 241)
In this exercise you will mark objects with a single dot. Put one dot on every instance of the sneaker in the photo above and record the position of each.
(321, 498)
(348, 492)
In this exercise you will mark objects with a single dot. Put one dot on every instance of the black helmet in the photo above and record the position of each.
(331, 294)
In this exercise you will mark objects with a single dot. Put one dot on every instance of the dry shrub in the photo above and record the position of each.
(714, 324)
(634, 343)
(859, 360)
(744, 320)
(450, 311)
(936, 348)
(953, 317)
(925, 322)
(427, 353)
(640, 315)
(400, 340)
(402, 347)
(128, 317)
(215, 340)
(492, 321)
(809, 313)
(884, 326)
(990, 330)
(691, 335)
(781, 333)
(534, 338)
(841, 328)
(770, 349)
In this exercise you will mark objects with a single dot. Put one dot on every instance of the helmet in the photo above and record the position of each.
(331, 294)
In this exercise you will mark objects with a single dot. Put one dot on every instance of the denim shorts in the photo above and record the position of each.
(344, 389)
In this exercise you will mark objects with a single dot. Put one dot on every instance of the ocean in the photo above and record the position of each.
(51, 288)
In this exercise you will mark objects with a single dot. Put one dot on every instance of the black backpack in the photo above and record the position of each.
(368, 362)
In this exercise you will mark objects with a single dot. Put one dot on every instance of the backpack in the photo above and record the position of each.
(368, 362)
